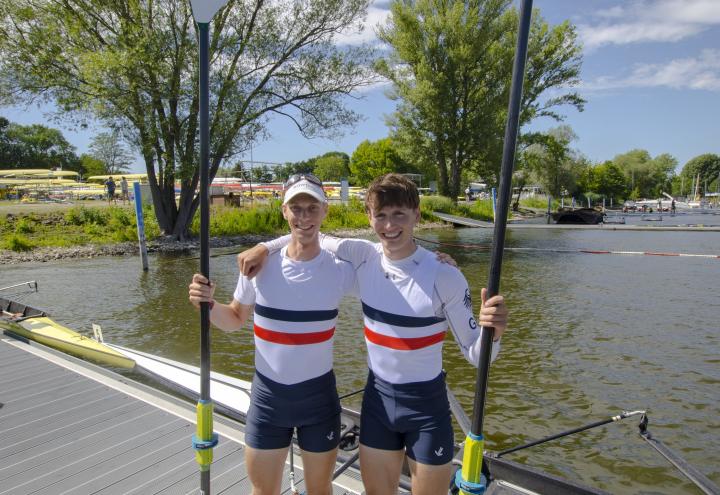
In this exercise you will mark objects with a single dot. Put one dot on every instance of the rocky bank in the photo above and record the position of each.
(166, 245)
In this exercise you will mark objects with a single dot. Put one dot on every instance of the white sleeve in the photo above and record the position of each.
(245, 291)
(355, 251)
(277, 244)
(350, 283)
(454, 293)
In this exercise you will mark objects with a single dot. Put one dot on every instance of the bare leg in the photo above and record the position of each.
(265, 468)
(428, 479)
(380, 470)
(318, 469)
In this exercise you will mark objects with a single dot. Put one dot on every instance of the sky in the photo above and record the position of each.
(650, 75)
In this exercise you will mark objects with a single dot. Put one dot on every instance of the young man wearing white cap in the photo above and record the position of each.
(295, 311)
(409, 300)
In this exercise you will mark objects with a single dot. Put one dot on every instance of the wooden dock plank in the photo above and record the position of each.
(70, 427)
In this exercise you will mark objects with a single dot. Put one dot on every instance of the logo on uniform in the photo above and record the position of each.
(467, 299)
(439, 452)
(330, 435)
(472, 323)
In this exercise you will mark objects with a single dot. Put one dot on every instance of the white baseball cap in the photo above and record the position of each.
(304, 184)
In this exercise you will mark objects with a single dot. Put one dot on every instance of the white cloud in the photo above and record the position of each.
(376, 16)
(702, 73)
(650, 21)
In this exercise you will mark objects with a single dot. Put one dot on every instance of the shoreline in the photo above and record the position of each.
(162, 245)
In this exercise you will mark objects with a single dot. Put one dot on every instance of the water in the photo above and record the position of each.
(590, 335)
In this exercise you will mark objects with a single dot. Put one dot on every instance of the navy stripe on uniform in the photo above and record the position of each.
(295, 316)
(399, 320)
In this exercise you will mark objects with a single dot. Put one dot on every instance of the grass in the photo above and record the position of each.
(83, 225)
(76, 227)
(479, 210)
(107, 225)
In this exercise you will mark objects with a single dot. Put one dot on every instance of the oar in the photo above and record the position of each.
(470, 479)
(698, 478)
(619, 417)
(205, 439)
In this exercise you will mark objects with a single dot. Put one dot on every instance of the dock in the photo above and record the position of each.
(70, 427)
(470, 222)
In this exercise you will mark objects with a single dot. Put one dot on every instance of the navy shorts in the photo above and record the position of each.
(414, 416)
(276, 410)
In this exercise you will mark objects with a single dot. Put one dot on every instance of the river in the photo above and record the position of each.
(590, 335)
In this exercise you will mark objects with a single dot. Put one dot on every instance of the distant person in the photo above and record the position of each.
(672, 206)
(467, 193)
(124, 192)
(660, 205)
(110, 186)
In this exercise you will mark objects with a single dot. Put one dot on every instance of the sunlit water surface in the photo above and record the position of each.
(590, 336)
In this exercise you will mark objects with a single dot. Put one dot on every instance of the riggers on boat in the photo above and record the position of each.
(34, 324)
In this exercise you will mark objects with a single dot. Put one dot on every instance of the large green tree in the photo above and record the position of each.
(609, 181)
(132, 64)
(706, 167)
(332, 166)
(645, 176)
(374, 158)
(451, 65)
(35, 146)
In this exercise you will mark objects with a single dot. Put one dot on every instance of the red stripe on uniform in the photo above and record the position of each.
(407, 344)
(293, 338)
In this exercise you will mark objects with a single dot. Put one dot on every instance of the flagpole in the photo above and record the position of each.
(470, 479)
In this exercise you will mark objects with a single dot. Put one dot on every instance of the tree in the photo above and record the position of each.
(450, 67)
(552, 162)
(372, 159)
(92, 166)
(261, 173)
(109, 148)
(133, 66)
(645, 176)
(35, 146)
(609, 181)
(706, 167)
(333, 166)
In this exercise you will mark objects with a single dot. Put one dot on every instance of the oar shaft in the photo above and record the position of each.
(699, 479)
(470, 479)
(204, 208)
(508, 159)
(204, 439)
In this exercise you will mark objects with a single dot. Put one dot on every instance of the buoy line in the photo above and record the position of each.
(486, 247)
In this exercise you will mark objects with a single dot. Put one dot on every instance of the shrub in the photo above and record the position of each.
(346, 216)
(25, 226)
(17, 242)
(85, 216)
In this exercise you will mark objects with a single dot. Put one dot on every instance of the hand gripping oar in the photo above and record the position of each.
(204, 439)
(470, 479)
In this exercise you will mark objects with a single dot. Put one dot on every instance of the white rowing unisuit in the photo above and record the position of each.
(407, 306)
(296, 307)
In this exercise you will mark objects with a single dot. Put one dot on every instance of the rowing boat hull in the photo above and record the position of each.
(50, 333)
